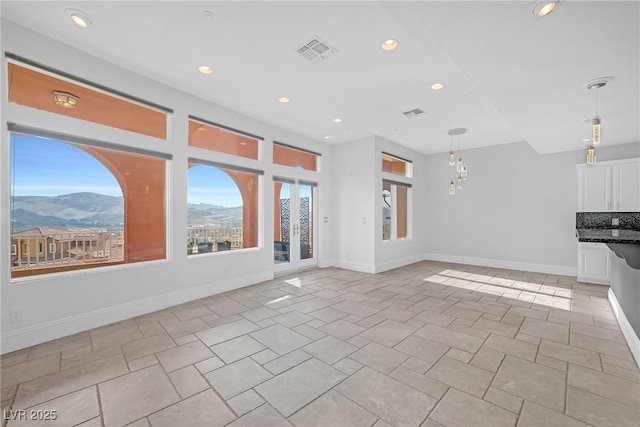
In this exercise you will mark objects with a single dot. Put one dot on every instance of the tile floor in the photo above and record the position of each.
(430, 344)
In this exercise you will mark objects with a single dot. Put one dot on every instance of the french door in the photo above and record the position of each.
(294, 233)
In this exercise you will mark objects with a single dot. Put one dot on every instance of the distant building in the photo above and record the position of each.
(41, 247)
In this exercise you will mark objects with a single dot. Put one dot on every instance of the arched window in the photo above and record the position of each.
(222, 205)
(77, 206)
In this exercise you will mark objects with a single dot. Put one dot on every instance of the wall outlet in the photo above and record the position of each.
(615, 221)
(15, 316)
(326, 219)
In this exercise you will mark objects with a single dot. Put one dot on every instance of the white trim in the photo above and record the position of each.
(400, 262)
(356, 266)
(36, 334)
(326, 263)
(500, 263)
(609, 162)
(626, 328)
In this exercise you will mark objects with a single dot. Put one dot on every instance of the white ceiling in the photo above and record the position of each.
(509, 76)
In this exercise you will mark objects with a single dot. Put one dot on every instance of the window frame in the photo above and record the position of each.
(317, 156)
(80, 269)
(66, 77)
(408, 164)
(259, 198)
(259, 139)
(393, 235)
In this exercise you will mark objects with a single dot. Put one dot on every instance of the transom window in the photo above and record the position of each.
(47, 91)
(287, 155)
(397, 165)
(205, 135)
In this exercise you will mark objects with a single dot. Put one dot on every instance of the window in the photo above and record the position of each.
(35, 89)
(14, 249)
(396, 165)
(205, 135)
(89, 203)
(287, 155)
(222, 202)
(395, 210)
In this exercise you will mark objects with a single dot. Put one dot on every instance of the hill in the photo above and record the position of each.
(92, 210)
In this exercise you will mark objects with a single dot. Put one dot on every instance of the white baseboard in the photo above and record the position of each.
(326, 263)
(356, 266)
(626, 328)
(499, 263)
(36, 334)
(396, 263)
(593, 280)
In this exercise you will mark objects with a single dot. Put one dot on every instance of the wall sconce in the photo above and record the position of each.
(64, 99)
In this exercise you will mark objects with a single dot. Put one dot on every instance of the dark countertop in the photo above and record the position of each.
(598, 235)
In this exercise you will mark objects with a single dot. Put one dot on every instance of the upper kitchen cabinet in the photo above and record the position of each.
(609, 186)
(626, 186)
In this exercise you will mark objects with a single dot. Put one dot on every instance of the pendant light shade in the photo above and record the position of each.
(452, 188)
(591, 155)
(595, 130)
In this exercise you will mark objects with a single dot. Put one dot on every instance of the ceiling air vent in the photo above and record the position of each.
(316, 50)
(416, 112)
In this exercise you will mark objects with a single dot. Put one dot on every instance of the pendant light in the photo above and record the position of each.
(460, 172)
(596, 120)
(591, 155)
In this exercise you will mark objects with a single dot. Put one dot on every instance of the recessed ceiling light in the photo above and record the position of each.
(327, 137)
(389, 44)
(437, 86)
(205, 69)
(542, 8)
(78, 17)
(208, 14)
(337, 120)
(284, 99)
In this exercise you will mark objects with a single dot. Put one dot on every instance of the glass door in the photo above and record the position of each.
(294, 225)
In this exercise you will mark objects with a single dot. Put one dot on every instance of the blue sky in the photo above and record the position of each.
(45, 167)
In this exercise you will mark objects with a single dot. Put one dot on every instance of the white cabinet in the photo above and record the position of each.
(609, 186)
(626, 187)
(594, 263)
(594, 188)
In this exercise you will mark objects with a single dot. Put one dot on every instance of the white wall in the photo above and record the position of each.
(396, 253)
(516, 210)
(354, 186)
(62, 304)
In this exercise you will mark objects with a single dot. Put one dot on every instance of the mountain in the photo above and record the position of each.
(92, 210)
(76, 210)
(204, 214)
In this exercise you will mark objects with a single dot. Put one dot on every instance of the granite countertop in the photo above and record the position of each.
(600, 235)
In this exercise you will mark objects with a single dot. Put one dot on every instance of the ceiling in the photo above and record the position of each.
(508, 75)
